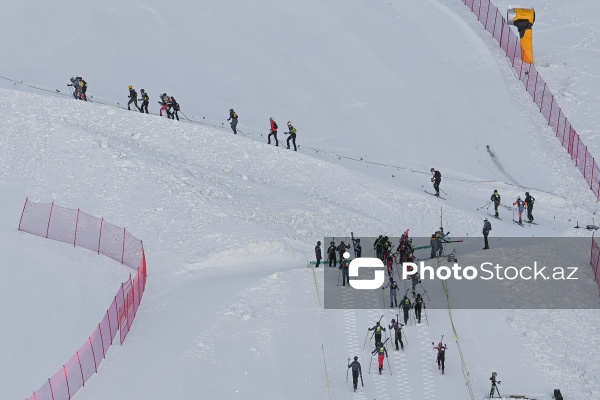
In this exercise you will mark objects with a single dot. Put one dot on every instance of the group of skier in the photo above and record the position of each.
(273, 133)
(79, 88)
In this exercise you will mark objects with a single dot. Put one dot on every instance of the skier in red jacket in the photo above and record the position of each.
(273, 132)
(441, 355)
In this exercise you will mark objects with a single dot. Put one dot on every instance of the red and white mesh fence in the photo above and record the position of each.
(495, 23)
(74, 226)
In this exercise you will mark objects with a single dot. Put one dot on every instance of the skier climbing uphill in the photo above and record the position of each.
(356, 372)
(381, 352)
(520, 207)
(378, 329)
(436, 179)
(441, 355)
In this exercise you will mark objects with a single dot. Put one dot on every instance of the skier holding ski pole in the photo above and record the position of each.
(406, 305)
(397, 327)
(377, 331)
(419, 303)
(393, 289)
(441, 355)
(356, 372)
(382, 353)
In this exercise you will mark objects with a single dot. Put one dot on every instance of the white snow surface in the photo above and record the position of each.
(228, 222)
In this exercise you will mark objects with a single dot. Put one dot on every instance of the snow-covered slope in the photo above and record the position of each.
(228, 222)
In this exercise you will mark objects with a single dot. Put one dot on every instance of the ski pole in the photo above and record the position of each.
(426, 319)
(371, 362)
(361, 380)
(388, 363)
(347, 369)
(365, 340)
(185, 116)
(405, 339)
(424, 291)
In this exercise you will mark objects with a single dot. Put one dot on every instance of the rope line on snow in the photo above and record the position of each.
(316, 150)
(465, 370)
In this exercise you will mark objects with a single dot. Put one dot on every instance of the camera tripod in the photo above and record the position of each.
(494, 388)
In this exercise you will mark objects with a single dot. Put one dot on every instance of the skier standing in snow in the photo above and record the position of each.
(356, 372)
(487, 227)
(164, 103)
(175, 107)
(331, 254)
(406, 305)
(357, 248)
(496, 200)
(378, 246)
(381, 352)
(233, 117)
(419, 303)
(342, 247)
(529, 200)
(520, 206)
(145, 101)
(441, 355)
(397, 327)
(393, 289)
(345, 266)
(318, 253)
(132, 98)
(273, 132)
(433, 241)
(378, 329)
(292, 133)
(436, 179)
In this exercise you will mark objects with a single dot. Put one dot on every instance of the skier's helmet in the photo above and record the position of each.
(271, 118)
(130, 87)
(485, 219)
(358, 240)
(393, 320)
(518, 197)
(231, 109)
(143, 91)
(289, 123)
(418, 295)
(526, 193)
(355, 358)
(377, 324)
(495, 190)
(319, 242)
(332, 242)
(432, 169)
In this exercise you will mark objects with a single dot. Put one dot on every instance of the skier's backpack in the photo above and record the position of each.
(234, 115)
(557, 395)
(438, 175)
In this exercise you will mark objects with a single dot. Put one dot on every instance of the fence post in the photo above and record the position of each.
(577, 152)
(528, 76)
(109, 324)
(123, 252)
(487, 15)
(49, 217)
(479, 14)
(551, 107)
(102, 342)
(76, 226)
(494, 31)
(501, 30)
(93, 354)
(535, 89)
(80, 368)
(21, 220)
(51, 391)
(100, 237)
(67, 380)
(585, 163)
(592, 179)
(564, 128)
(543, 94)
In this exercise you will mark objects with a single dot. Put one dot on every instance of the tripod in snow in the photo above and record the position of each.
(494, 387)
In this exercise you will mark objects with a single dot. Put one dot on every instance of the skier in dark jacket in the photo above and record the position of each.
(436, 179)
(174, 106)
(292, 133)
(273, 132)
(496, 200)
(132, 98)
(145, 101)
(397, 327)
(331, 254)
(381, 354)
(356, 372)
(318, 253)
(487, 227)
(378, 329)
(378, 246)
(342, 248)
(393, 289)
(165, 102)
(406, 305)
(233, 117)
(441, 355)
(419, 304)
(345, 267)
(357, 248)
(529, 200)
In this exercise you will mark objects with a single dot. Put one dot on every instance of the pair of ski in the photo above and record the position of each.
(522, 225)
(436, 195)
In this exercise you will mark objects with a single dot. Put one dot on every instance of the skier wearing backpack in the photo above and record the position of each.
(397, 327)
(174, 106)
(356, 372)
(487, 227)
(381, 354)
(345, 267)
(406, 305)
(145, 101)
(529, 200)
(496, 200)
(433, 241)
(292, 133)
(393, 289)
(273, 132)
(318, 253)
(441, 355)
(357, 248)
(342, 247)
(419, 304)
(378, 329)
(331, 254)
(436, 179)
(520, 206)
(82, 88)
(132, 98)
(233, 117)
(164, 102)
